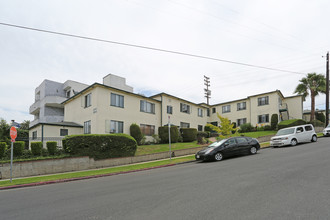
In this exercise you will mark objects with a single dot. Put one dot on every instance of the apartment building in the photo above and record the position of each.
(112, 107)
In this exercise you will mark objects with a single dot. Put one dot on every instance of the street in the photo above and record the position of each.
(280, 183)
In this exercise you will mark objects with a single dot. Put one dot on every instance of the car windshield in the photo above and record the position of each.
(328, 126)
(217, 144)
(285, 131)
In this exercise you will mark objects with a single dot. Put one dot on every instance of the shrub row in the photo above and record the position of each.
(3, 147)
(100, 146)
(188, 134)
(290, 123)
(163, 134)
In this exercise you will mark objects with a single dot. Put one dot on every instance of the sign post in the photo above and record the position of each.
(169, 136)
(13, 135)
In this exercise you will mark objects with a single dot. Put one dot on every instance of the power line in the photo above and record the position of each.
(149, 48)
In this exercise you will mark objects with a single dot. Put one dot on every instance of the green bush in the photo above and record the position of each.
(36, 148)
(274, 121)
(136, 133)
(44, 152)
(26, 154)
(18, 148)
(51, 147)
(100, 146)
(268, 128)
(3, 147)
(163, 134)
(201, 137)
(188, 134)
(317, 123)
(320, 116)
(247, 127)
(208, 128)
(290, 123)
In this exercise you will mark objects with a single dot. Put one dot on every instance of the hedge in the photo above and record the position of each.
(3, 147)
(18, 148)
(274, 121)
(51, 147)
(163, 134)
(317, 123)
(247, 127)
(290, 123)
(100, 146)
(201, 135)
(188, 134)
(36, 148)
(136, 133)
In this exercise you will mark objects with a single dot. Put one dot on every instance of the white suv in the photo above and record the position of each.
(294, 135)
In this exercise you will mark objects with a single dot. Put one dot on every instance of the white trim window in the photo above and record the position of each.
(241, 106)
(169, 109)
(88, 100)
(241, 121)
(184, 108)
(263, 118)
(117, 100)
(87, 127)
(263, 100)
(184, 125)
(116, 126)
(147, 130)
(226, 109)
(200, 112)
(147, 107)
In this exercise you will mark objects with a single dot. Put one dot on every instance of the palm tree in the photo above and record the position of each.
(311, 85)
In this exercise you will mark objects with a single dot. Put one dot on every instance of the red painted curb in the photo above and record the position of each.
(80, 178)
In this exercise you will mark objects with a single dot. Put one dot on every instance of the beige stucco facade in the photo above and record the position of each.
(102, 109)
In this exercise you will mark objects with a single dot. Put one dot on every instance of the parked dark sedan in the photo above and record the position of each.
(228, 147)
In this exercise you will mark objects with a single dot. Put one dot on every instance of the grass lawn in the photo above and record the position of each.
(95, 172)
(151, 149)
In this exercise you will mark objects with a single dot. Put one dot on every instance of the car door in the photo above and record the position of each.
(242, 145)
(309, 132)
(229, 147)
(300, 134)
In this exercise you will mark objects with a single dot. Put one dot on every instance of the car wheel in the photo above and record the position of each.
(294, 142)
(314, 138)
(253, 150)
(218, 156)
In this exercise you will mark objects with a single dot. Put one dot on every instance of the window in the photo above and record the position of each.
(169, 109)
(64, 132)
(214, 110)
(208, 112)
(34, 135)
(308, 128)
(225, 108)
(263, 118)
(241, 121)
(215, 123)
(147, 107)
(241, 140)
(88, 101)
(200, 112)
(87, 127)
(299, 130)
(148, 130)
(241, 106)
(200, 127)
(184, 125)
(116, 126)
(263, 101)
(117, 100)
(68, 94)
(184, 108)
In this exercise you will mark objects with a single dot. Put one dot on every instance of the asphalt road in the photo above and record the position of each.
(282, 183)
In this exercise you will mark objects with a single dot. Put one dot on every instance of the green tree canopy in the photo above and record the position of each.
(311, 85)
(225, 127)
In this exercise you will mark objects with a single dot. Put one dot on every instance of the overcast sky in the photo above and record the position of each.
(291, 35)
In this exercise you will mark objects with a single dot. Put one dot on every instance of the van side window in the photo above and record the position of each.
(300, 129)
(308, 128)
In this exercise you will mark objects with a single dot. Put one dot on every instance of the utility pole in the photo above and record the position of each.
(207, 91)
(327, 93)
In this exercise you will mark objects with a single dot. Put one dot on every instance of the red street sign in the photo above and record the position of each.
(13, 133)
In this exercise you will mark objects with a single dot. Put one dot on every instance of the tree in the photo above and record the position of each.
(274, 121)
(225, 128)
(311, 85)
(25, 125)
(4, 130)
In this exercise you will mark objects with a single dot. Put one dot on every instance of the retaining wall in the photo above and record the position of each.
(43, 167)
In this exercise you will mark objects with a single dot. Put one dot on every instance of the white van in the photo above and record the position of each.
(294, 135)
